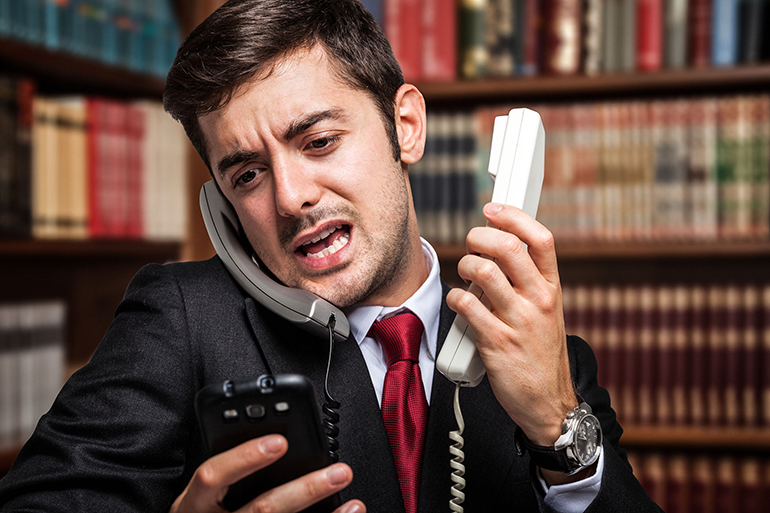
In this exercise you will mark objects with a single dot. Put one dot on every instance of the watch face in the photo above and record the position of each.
(587, 439)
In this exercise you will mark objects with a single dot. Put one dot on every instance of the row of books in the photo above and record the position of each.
(676, 169)
(88, 167)
(141, 35)
(678, 355)
(32, 364)
(443, 39)
(681, 169)
(681, 482)
(443, 182)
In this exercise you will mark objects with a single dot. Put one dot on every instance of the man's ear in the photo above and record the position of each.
(410, 123)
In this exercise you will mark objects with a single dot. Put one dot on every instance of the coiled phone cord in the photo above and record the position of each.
(329, 408)
(458, 496)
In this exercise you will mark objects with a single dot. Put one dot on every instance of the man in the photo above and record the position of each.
(301, 113)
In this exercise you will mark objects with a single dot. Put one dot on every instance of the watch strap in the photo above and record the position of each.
(542, 456)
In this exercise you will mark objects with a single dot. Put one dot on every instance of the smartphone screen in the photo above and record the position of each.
(233, 412)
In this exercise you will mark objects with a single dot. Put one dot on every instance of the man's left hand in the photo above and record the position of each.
(521, 338)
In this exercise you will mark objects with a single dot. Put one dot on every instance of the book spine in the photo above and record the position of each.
(682, 355)
(403, 26)
(474, 55)
(700, 25)
(647, 343)
(676, 33)
(562, 50)
(649, 35)
(440, 40)
(724, 41)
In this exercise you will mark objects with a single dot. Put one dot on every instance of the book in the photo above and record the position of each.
(439, 44)
(404, 30)
(593, 38)
(649, 35)
(473, 51)
(699, 36)
(724, 33)
(562, 37)
(675, 40)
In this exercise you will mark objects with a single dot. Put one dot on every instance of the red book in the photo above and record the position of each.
(702, 489)
(717, 369)
(665, 355)
(95, 133)
(439, 60)
(733, 361)
(699, 35)
(682, 356)
(114, 170)
(613, 349)
(699, 356)
(750, 327)
(135, 122)
(765, 360)
(677, 484)
(532, 47)
(632, 325)
(649, 35)
(647, 364)
(404, 29)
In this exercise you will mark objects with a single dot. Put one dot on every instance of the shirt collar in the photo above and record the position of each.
(425, 304)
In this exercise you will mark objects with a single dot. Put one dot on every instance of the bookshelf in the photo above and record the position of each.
(633, 262)
(89, 275)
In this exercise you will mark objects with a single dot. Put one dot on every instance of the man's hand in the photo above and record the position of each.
(522, 340)
(209, 484)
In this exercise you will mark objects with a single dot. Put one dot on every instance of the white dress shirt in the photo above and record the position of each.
(426, 305)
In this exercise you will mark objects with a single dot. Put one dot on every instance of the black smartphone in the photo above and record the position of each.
(233, 412)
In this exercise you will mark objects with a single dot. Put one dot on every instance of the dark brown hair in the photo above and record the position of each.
(247, 38)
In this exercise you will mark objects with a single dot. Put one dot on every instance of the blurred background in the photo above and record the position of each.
(657, 189)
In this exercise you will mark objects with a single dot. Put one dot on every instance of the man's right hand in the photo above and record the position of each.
(208, 486)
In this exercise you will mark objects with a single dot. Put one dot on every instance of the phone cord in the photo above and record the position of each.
(329, 408)
(456, 463)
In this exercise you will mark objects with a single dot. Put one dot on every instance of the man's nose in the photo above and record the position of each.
(296, 189)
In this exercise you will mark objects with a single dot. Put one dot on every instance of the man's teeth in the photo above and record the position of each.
(323, 234)
(338, 244)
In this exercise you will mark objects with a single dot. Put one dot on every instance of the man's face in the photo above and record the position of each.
(306, 163)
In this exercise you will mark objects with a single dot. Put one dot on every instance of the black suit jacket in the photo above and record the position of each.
(122, 435)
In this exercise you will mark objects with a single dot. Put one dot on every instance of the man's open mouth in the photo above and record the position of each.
(328, 242)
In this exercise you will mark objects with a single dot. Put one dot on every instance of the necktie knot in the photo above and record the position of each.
(399, 337)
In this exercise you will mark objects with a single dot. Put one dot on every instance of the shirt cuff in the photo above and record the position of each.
(574, 497)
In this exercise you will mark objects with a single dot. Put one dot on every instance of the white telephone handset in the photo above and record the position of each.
(516, 164)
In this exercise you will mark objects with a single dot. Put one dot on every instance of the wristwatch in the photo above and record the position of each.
(578, 446)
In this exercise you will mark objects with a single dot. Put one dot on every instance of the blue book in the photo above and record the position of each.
(109, 53)
(51, 18)
(5, 17)
(18, 12)
(137, 15)
(724, 37)
(375, 7)
(34, 21)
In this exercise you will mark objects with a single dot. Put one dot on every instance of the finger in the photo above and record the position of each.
(490, 331)
(537, 237)
(506, 251)
(211, 480)
(354, 506)
(303, 492)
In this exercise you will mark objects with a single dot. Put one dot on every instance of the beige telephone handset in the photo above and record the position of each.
(301, 307)
(516, 164)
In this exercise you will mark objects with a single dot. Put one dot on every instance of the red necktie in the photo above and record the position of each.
(404, 407)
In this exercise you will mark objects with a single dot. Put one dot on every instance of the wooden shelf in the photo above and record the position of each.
(696, 438)
(594, 250)
(62, 72)
(581, 87)
(89, 248)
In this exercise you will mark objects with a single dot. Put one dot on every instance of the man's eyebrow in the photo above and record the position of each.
(301, 125)
(234, 158)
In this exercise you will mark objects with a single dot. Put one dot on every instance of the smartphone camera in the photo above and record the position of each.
(266, 384)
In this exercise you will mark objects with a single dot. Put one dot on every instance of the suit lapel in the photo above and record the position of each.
(362, 437)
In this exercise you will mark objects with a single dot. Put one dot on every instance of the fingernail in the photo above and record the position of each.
(272, 445)
(354, 508)
(493, 208)
(337, 475)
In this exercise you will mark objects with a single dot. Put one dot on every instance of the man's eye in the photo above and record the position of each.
(323, 142)
(247, 177)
